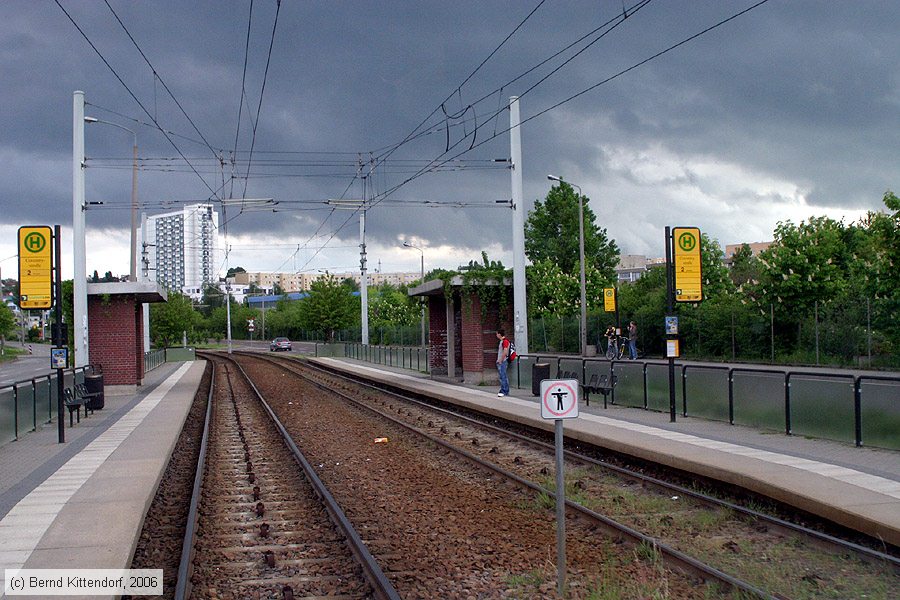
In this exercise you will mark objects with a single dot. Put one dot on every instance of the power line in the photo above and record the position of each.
(262, 92)
(243, 81)
(157, 76)
(128, 89)
(582, 92)
(466, 80)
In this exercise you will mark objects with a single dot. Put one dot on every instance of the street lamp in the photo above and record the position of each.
(408, 245)
(581, 260)
(132, 276)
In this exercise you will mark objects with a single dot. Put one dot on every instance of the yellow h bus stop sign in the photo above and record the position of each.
(688, 269)
(35, 267)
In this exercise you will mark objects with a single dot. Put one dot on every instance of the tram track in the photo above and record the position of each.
(706, 581)
(800, 562)
(264, 527)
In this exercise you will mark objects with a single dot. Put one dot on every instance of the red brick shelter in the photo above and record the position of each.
(467, 349)
(116, 329)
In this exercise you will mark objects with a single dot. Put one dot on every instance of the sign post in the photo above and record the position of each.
(559, 400)
(684, 283)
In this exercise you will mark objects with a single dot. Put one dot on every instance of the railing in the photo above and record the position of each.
(22, 404)
(404, 357)
(839, 406)
(154, 359)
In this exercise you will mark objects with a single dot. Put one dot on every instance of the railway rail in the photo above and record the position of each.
(261, 523)
(714, 582)
(787, 558)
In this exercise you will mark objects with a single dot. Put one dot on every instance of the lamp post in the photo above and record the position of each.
(581, 260)
(132, 274)
(422, 252)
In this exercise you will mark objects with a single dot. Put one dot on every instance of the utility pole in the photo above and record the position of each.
(80, 326)
(363, 277)
(145, 277)
(520, 307)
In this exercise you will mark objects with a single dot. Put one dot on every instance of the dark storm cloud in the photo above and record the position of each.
(800, 92)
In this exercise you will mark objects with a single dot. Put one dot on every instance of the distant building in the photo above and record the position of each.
(755, 248)
(301, 282)
(181, 248)
(632, 266)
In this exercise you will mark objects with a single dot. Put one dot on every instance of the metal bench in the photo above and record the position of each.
(73, 403)
(601, 384)
(87, 397)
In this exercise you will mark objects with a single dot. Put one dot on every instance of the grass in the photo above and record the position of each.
(11, 353)
(533, 579)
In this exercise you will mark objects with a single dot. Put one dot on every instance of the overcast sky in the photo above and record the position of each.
(788, 111)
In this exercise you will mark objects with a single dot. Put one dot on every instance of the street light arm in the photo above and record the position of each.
(96, 120)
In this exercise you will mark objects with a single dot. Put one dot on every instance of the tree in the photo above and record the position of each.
(744, 266)
(551, 233)
(806, 263)
(716, 281)
(233, 270)
(169, 320)
(329, 307)
(7, 320)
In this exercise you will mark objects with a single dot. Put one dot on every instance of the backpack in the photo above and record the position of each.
(512, 352)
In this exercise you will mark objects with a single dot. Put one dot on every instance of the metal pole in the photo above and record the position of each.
(134, 207)
(520, 306)
(581, 273)
(145, 276)
(422, 301)
(817, 331)
(869, 330)
(363, 276)
(228, 315)
(58, 339)
(80, 325)
(560, 511)
(670, 292)
(772, 328)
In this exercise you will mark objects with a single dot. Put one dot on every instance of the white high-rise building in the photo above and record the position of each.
(181, 248)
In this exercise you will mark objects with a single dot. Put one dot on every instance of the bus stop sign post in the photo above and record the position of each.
(559, 400)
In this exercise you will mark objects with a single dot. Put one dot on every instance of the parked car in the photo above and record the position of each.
(280, 343)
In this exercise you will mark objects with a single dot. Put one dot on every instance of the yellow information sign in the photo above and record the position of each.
(35, 267)
(609, 299)
(688, 269)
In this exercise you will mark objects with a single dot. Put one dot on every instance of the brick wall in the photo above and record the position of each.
(116, 338)
(437, 328)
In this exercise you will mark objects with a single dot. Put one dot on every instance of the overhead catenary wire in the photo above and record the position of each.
(581, 93)
(130, 92)
(243, 86)
(262, 92)
(158, 77)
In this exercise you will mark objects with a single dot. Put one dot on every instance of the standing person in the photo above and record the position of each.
(502, 356)
(612, 349)
(632, 340)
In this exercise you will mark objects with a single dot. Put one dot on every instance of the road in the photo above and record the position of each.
(26, 366)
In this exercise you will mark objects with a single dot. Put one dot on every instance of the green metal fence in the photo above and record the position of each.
(860, 409)
(24, 405)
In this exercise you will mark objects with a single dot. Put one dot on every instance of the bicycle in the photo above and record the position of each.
(615, 348)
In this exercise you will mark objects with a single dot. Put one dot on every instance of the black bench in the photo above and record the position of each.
(73, 403)
(601, 384)
(88, 398)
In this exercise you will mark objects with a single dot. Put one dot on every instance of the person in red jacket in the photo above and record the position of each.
(502, 363)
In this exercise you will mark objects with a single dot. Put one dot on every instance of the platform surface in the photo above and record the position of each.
(81, 504)
(856, 487)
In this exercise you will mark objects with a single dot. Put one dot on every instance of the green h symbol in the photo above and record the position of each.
(35, 242)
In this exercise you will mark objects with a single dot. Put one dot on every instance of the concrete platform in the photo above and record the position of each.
(82, 504)
(855, 487)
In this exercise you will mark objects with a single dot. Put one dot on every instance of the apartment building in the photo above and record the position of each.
(181, 247)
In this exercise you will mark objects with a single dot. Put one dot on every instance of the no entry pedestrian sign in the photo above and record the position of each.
(559, 398)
